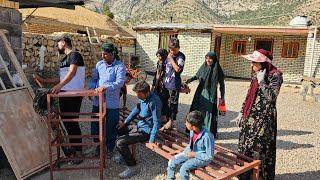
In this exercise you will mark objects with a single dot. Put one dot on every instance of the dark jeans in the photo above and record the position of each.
(112, 121)
(123, 142)
(71, 104)
(170, 103)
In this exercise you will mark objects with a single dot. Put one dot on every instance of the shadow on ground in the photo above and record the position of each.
(309, 175)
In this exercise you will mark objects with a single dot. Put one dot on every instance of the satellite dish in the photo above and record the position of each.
(300, 21)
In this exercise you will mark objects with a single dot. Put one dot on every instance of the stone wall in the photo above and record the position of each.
(10, 20)
(91, 53)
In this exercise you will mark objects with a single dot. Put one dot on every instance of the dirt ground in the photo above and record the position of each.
(298, 139)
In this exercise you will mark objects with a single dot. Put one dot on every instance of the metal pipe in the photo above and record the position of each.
(312, 51)
(29, 15)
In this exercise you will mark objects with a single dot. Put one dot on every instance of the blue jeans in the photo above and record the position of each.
(112, 121)
(187, 165)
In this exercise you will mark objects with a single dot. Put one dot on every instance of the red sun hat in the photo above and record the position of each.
(257, 56)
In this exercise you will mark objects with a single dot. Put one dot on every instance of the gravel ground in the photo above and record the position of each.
(298, 146)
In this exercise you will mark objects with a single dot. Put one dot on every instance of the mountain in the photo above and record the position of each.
(251, 12)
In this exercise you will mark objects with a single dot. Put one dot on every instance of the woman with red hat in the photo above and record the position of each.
(258, 117)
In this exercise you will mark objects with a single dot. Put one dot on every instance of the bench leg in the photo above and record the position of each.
(134, 150)
(255, 173)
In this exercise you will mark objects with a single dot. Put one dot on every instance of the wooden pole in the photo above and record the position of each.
(15, 62)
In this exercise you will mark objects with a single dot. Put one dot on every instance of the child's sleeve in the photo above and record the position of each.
(133, 114)
(208, 153)
(180, 61)
(188, 148)
(155, 119)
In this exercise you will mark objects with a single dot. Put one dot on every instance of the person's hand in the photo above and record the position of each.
(100, 89)
(170, 57)
(187, 81)
(260, 75)
(191, 155)
(239, 119)
(56, 89)
(38, 78)
(121, 125)
(222, 101)
(170, 60)
(184, 79)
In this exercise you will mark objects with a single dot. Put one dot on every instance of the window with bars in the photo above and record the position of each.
(239, 47)
(164, 38)
(266, 44)
(290, 50)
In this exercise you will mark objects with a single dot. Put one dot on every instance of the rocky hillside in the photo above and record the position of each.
(255, 12)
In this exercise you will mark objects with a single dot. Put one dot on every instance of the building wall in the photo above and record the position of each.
(10, 20)
(147, 46)
(127, 53)
(194, 45)
(91, 52)
(236, 66)
(314, 69)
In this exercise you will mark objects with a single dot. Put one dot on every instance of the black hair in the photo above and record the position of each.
(163, 53)
(134, 60)
(195, 118)
(141, 87)
(66, 39)
(174, 43)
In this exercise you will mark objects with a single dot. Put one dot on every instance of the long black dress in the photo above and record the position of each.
(205, 98)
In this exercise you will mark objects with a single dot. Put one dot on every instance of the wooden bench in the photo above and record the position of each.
(226, 163)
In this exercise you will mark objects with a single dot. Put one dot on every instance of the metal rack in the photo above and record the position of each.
(56, 138)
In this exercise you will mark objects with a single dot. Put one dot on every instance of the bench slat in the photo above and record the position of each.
(226, 163)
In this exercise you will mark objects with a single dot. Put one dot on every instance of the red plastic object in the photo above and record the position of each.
(222, 107)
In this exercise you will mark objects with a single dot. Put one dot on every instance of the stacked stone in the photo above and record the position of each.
(90, 52)
(31, 49)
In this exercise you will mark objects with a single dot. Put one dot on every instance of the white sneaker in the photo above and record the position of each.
(129, 172)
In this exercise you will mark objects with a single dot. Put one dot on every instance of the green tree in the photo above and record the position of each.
(106, 11)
